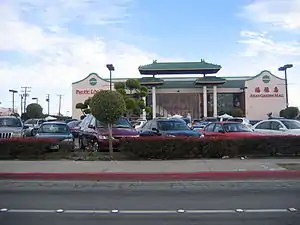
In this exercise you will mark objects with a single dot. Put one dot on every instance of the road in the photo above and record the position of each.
(188, 203)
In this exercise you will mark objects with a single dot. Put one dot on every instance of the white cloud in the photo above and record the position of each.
(60, 57)
(276, 13)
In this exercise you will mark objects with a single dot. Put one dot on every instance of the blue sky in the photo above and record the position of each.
(50, 44)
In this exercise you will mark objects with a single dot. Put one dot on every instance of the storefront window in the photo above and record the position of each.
(225, 102)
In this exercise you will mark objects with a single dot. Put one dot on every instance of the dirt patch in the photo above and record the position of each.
(290, 166)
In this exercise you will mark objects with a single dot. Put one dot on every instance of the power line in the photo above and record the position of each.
(26, 90)
(59, 104)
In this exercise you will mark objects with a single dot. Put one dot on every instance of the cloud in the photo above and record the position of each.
(55, 55)
(280, 14)
(263, 44)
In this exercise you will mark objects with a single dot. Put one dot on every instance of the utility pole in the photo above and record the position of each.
(48, 103)
(13, 99)
(59, 104)
(21, 95)
(26, 90)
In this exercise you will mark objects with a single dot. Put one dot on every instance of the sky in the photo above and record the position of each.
(47, 45)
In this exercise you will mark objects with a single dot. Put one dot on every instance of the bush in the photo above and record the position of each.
(191, 147)
(28, 148)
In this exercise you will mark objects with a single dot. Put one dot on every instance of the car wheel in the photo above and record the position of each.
(95, 146)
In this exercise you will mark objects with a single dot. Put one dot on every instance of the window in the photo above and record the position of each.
(236, 127)
(54, 128)
(172, 125)
(264, 125)
(121, 123)
(291, 124)
(276, 125)
(10, 122)
(235, 120)
(210, 127)
(147, 126)
(218, 128)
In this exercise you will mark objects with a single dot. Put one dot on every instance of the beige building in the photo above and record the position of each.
(256, 96)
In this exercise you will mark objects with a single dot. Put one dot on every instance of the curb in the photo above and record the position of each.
(234, 175)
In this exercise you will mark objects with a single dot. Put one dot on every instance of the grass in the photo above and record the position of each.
(290, 166)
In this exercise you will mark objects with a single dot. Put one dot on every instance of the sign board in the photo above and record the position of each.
(266, 92)
(87, 91)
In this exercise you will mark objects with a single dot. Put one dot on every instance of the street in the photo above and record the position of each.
(230, 202)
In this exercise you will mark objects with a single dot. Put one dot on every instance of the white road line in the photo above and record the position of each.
(178, 211)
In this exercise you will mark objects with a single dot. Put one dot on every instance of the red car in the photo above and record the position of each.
(228, 129)
(94, 133)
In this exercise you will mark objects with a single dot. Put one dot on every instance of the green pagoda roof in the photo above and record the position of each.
(157, 68)
(210, 80)
(151, 81)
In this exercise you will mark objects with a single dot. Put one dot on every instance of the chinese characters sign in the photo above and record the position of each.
(266, 92)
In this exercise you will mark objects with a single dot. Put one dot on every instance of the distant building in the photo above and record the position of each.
(6, 111)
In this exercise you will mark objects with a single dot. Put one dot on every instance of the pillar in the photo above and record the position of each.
(215, 103)
(153, 102)
(204, 101)
(144, 111)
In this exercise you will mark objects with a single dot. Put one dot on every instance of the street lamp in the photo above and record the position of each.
(36, 99)
(13, 99)
(110, 67)
(284, 68)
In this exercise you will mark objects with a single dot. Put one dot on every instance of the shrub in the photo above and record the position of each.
(210, 147)
(28, 148)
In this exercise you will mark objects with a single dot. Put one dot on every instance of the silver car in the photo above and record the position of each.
(11, 126)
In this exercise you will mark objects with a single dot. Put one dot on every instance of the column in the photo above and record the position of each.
(153, 102)
(215, 103)
(144, 111)
(204, 101)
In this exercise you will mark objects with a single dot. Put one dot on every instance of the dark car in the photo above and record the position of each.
(95, 133)
(228, 129)
(74, 127)
(167, 127)
(58, 131)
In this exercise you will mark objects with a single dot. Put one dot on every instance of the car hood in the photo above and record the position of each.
(118, 131)
(10, 129)
(181, 133)
(59, 137)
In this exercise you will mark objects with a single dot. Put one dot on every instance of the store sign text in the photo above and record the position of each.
(87, 91)
(266, 93)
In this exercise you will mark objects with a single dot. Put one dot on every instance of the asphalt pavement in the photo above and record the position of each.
(222, 202)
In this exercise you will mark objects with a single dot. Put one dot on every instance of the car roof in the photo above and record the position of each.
(225, 122)
(9, 117)
(54, 122)
(168, 119)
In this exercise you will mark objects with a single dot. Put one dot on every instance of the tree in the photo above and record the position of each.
(289, 112)
(134, 100)
(237, 112)
(107, 107)
(84, 107)
(34, 110)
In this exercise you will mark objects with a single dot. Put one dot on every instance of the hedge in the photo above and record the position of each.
(191, 147)
(28, 148)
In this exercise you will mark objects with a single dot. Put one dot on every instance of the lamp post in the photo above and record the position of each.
(13, 99)
(284, 68)
(110, 67)
(36, 99)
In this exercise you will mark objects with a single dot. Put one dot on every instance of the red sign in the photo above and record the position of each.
(87, 91)
(266, 93)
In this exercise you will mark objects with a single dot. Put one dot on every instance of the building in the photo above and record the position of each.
(200, 96)
(7, 111)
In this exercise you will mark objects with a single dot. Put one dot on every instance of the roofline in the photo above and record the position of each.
(95, 74)
(265, 71)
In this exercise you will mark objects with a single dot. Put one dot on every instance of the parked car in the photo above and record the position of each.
(228, 129)
(11, 126)
(74, 127)
(241, 120)
(138, 124)
(278, 127)
(33, 125)
(58, 131)
(167, 127)
(95, 133)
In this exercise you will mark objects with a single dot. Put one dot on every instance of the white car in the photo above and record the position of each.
(138, 125)
(278, 127)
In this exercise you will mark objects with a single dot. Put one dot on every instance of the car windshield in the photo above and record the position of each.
(172, 125)
(54, 129)
(10, 122)
(236, 127)
(291, 124)
(121, 123)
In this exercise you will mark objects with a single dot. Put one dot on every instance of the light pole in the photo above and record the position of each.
(110, 67)
(13, 99)
(284, 68)
(36, 99)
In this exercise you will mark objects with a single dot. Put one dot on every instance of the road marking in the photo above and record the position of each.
(117, 211)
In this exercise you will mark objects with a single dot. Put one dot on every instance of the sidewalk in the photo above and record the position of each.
(175, 169)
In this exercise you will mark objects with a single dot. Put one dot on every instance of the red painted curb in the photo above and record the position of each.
(238, 175)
